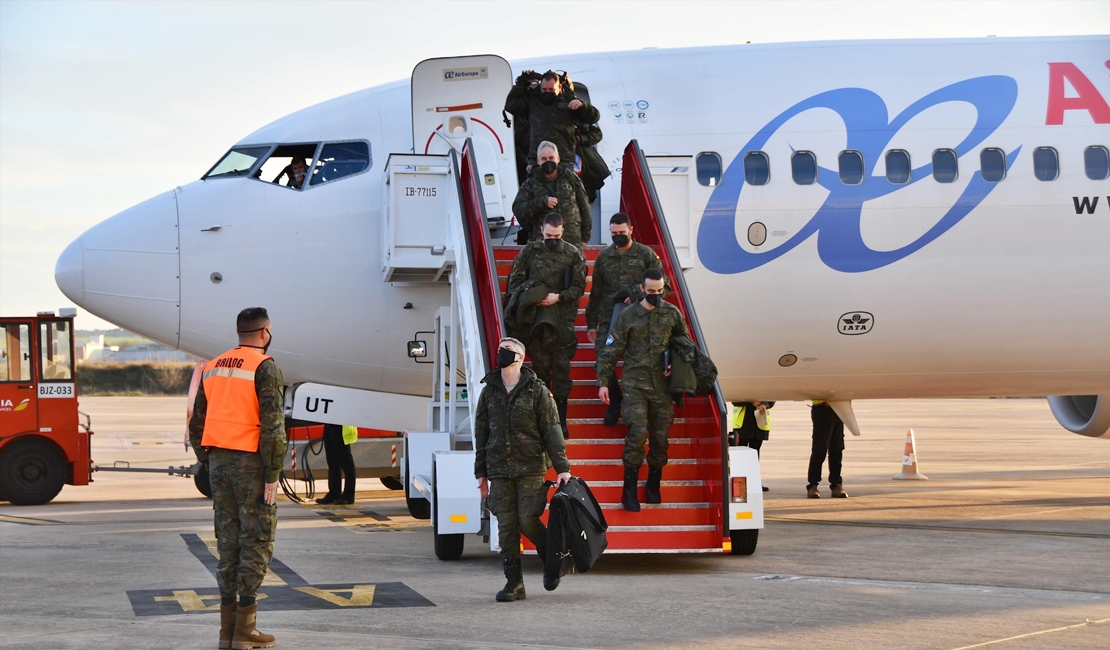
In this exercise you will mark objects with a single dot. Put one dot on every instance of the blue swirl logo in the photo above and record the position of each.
(840, 242)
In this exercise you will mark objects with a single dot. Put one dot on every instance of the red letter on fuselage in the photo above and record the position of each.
(1088, 100)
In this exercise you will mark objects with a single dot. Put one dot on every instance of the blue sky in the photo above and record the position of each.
(103, 105)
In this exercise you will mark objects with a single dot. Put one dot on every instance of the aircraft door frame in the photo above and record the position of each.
(675, 182)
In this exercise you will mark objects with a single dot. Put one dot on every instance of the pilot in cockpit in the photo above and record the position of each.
(295, 171)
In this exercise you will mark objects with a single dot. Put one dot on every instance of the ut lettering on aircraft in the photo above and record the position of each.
(836, 223)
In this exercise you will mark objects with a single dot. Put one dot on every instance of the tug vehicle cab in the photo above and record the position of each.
(43, 442)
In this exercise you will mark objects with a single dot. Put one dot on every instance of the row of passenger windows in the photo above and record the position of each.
(899, 171)
(287, 165)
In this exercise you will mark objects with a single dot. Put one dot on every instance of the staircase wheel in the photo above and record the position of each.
(744, 541)
(449, 547)
(419, 507)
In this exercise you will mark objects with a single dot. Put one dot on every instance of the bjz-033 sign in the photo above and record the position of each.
(50, 391)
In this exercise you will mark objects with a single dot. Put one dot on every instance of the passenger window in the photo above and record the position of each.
(237, 162)
(757, 168)
(992, 165)
(898, 170)
(288, 165)
(945, 166)
(709, 168)
(339, 160)
(851, 167)
(56, 343)
(1096, 160)
(803, 167)
(15, 352)
(1046, 164)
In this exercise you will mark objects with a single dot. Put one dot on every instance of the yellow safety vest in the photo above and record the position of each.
(350, 434)
(738, 419)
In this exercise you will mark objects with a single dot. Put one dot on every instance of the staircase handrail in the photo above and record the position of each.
(636, 182)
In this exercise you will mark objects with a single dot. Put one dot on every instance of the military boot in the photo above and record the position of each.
(514, 587)
(613, 412)
(561, 403)
(549, 583)
(247, 636)
(838, 492)
(227, 625)
(629, 499)
(655, 477)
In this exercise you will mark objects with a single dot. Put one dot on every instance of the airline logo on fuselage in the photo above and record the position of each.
(466, 74)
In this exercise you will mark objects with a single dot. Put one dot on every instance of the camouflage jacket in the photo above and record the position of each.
(535, 262)
(552, 122)
(640, 337)
(512, 431)
(268, 384)
(530, 205)
(618, 273)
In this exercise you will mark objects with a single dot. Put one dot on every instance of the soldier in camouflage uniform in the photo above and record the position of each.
(244, 483)
(550, 111)
(617, 273)
(515, 425)
(562, 268)
(643, 332)
(554, 187)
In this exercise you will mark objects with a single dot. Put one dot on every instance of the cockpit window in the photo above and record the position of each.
(340, 159)
(237, 162)
(288, 166)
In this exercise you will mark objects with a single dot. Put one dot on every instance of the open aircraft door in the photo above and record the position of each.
(675, 186)
(457, 98)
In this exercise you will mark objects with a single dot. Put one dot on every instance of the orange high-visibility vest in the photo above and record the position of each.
(232, 420)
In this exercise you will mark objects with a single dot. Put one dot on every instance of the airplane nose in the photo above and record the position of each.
(69, 272)
(125, 269)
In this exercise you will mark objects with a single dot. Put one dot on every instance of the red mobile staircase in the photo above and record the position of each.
(690, 518)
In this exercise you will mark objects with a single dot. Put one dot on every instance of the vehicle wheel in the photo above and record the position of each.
(392, 482)
(744, 541)
(449, 547)
(419, 507)
(202, 481)
(32, 472)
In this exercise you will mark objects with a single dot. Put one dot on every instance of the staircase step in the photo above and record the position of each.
(591, 473)
(610, 491)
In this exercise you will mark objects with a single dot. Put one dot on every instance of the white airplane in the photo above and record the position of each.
(856, 220)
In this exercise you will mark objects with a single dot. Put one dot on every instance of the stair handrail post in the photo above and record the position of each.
(635, 161)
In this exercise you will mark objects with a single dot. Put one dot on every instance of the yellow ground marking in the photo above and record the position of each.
(361, 595)
(1022, 636)
(271, 579)
(191, 601)
(26, 520)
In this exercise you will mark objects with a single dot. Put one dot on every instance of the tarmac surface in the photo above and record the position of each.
(1006, 546)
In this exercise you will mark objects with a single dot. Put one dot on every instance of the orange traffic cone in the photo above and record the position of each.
(909, 462)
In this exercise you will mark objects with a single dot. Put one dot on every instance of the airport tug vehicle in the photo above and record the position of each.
(44, 439)
(440, 209)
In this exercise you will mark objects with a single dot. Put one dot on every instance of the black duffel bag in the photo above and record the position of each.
(575, 530)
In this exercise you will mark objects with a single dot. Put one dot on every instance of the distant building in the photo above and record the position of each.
(94, 350)
(147, 352)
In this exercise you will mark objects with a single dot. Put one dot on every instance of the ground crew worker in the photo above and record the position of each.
(515, 425)
(617, 273)
(553, 187)
(238, 430)
(550, 111)
(751, 425)
(828, 438)
(562, 268)
(341, 464)
(641, 336)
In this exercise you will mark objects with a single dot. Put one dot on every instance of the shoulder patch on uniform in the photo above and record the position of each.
(609, 341)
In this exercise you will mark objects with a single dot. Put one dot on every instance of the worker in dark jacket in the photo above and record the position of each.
(617, 273)
(554, 187)
(515, 425)
(550, 111)
(562, 269)
(641, 336)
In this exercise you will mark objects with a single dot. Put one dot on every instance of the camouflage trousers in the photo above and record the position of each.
(245, 523)
(649, 415)
(599, 344)
(518, 504)
(552, 366)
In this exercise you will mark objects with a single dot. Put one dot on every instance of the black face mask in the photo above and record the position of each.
(268, 342)
(620, 240)
(549, 167)
(505, 357)
(548, 98)
(653, 299)
(551, 244)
